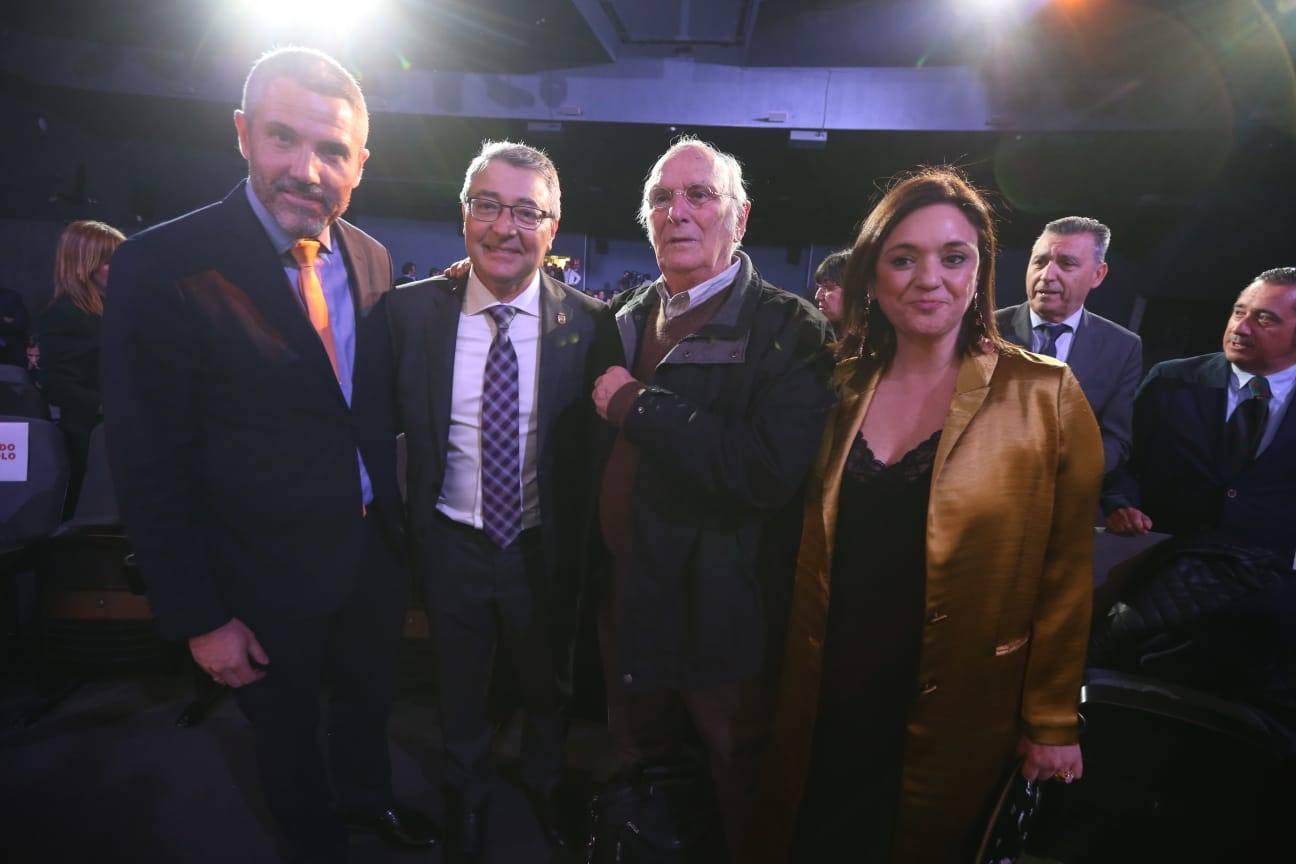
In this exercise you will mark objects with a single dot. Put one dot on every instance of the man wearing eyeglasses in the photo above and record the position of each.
(493, 371)
(717, 415)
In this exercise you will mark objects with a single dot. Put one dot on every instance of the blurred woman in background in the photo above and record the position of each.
(68, 336)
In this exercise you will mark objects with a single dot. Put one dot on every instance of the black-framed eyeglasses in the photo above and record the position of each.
(524, 215)
(697, 195)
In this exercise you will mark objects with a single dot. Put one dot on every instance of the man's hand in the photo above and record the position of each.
(223, 654)
(458, 269)
(1128, 521)
(606, 387)
(1043, 761)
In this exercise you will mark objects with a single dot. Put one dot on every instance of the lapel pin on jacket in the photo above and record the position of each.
(561, 317)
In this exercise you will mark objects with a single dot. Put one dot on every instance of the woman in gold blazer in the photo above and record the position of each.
(998, 592)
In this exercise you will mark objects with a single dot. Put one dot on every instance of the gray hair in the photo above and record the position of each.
(314, 70)
(1071, 225)
(730, 178)
(1278, 276)
(519, 156)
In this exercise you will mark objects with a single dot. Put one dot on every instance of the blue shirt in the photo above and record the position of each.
(332, 272)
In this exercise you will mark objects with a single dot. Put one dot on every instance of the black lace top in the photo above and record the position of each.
(875, 617)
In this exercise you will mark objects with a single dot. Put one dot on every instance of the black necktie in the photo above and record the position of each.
(1247, 425)
(1052, 333)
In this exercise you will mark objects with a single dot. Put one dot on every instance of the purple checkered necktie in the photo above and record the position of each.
(500, 463)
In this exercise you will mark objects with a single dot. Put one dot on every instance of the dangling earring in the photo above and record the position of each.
(864, 323)
(978, 321)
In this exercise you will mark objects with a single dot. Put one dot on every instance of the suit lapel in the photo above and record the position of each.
(441, 326)
(1211, 397)
(258, 271)
(970, 391)
(366, 285)
(1086, 348)
(555, 316)
(1021, 326)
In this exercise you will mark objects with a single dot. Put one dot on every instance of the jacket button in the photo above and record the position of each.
(936, 617)
(627, 678)
(1232, 493)
(929, 686)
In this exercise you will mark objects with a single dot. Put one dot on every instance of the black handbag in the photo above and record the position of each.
(1011, 822)
(656, 814)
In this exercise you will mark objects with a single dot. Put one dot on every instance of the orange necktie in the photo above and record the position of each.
(304, 252)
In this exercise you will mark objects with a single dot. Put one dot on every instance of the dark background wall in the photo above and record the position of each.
(1173, 121)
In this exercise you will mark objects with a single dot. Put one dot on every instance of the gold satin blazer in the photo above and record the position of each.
(1008, 596)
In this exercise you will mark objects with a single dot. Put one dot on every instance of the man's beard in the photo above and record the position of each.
(294, 220)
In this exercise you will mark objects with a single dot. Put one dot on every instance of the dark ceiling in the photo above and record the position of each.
(513, 36)
(1148, 184)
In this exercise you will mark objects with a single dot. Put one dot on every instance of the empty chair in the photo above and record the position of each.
(1171, 774)
(97, 506)
(92, 597)
(1190, 709)
(31, 504)
(30, 508)
(19, 396)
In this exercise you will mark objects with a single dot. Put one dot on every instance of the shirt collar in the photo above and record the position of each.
(680, 303)
(1279, 382)
(479, 298)
(279, 238)
(1072, 320)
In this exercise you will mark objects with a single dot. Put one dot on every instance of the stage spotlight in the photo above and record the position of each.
(997, 8)
(339, 16)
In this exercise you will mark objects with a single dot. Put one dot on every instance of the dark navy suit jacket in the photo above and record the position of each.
(1177, 474)
(233, 450)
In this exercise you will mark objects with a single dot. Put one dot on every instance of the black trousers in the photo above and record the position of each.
(487, 604)
(354, 650)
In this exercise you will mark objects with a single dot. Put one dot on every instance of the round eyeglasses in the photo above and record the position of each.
(697, 195)
(524, 215)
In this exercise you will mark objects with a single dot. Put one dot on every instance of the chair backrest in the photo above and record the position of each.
(1174, 774)
(96, 505)
(19, 396)
(31, 508)
(11, 374)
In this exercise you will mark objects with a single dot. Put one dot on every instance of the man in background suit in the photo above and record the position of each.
(1067, 262)
(251, 435)
(409, 273)
(1215, 436)
(493, 374)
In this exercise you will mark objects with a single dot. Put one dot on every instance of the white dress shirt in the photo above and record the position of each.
(461, 496)
(1063, 343)
(1280, 386)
